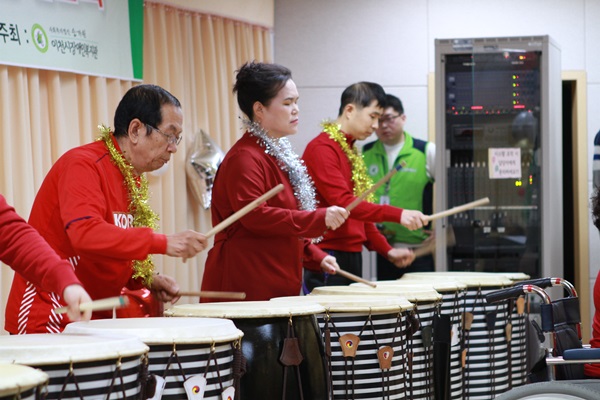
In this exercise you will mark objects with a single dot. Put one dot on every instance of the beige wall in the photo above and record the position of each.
(261, 12)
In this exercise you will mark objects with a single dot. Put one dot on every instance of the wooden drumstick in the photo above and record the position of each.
(376, 186)
(216, 295)
(457, 209)
(355, 278)
(99, 305)
(243, 211)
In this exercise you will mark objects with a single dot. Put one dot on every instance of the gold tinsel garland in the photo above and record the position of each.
(360, 178)
(143, 216)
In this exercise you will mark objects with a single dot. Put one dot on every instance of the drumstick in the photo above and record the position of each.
(355, 278)
(216, 295)
(243, 211)
(99, 305)
(457, 209)
(376, 186)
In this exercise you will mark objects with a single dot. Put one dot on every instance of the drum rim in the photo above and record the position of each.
(334, 303)
(152, 335)
(470, 278)
(29, 353)
(245, 309)
(427, 294)
(30, 378)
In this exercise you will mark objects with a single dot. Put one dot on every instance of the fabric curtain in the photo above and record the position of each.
(45, 113)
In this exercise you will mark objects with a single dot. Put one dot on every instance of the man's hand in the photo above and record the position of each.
(335, 217)
(402, 257)
(412, 219)
(186, 244)
(74, 295)
(165, 288)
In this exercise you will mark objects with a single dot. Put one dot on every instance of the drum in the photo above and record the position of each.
(417, 338)
(453, 298)
(486, 332)
(21, 382)
(192, 356)
(81, 367)
(364, 342)
(282, 346)
(518, 345)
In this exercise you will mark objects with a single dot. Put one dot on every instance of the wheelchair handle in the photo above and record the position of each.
(547, 282)
(516, 291)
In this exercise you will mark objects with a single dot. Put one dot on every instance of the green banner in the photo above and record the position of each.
(91, 37)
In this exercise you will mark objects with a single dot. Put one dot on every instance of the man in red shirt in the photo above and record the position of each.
(340, 176)
(24, 250)
(92, 208)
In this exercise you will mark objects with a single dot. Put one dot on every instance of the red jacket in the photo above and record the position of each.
(82, 211)
(24, 250)
(332, 173)
(262, 253)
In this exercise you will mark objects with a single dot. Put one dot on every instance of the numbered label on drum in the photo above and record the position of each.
(160, 387)
(385, 355)
(194, 387)
(455, 335)
(349, 343)
(228, 394)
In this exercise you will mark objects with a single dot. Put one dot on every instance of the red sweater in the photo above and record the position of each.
(82, 211)
(332, 173)
(262, 253)
(593, 370)
(25, 251)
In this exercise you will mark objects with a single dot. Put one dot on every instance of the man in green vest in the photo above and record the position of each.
(410, 188)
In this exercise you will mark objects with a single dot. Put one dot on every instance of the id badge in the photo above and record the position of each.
(384, 200)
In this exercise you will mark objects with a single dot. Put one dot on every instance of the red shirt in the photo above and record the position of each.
(82, 210)
(332, 173)
(262, 253)
(24, 250)
(593, 370)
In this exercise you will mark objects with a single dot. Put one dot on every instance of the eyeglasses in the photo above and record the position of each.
(171, 139)
(388, 118)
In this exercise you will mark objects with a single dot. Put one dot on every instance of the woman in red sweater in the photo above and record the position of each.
(262, 253)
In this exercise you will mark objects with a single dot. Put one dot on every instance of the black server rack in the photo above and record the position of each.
(498, 110)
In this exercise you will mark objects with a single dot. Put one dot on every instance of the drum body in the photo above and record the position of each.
(21, 382)
(486, 332)
(179, 350)
(272, 333)
(452, 305)
(357, 332)
(81, 366)
(417, 353)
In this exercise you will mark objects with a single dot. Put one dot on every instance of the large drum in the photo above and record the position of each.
(448, 379)
(21, 382)
(195, 356)
(366, 349)
(486, 329)
(85, 367)
(282, 346)
(417, 338)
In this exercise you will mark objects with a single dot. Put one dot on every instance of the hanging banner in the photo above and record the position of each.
(91, 37)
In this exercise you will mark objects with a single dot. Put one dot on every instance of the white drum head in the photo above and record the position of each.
(163, 330)
(345, 303)
(471, 279)
(245, 309)
(439, 286)
(62, 348)
(415, 293)
(16, 378)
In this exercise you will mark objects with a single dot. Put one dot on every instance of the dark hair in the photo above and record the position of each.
(259, 82)
(394, 102)
(596, 208)
(362, 94)
(143, 102)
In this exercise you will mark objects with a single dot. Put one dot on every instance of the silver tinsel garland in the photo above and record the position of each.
(289, 162)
